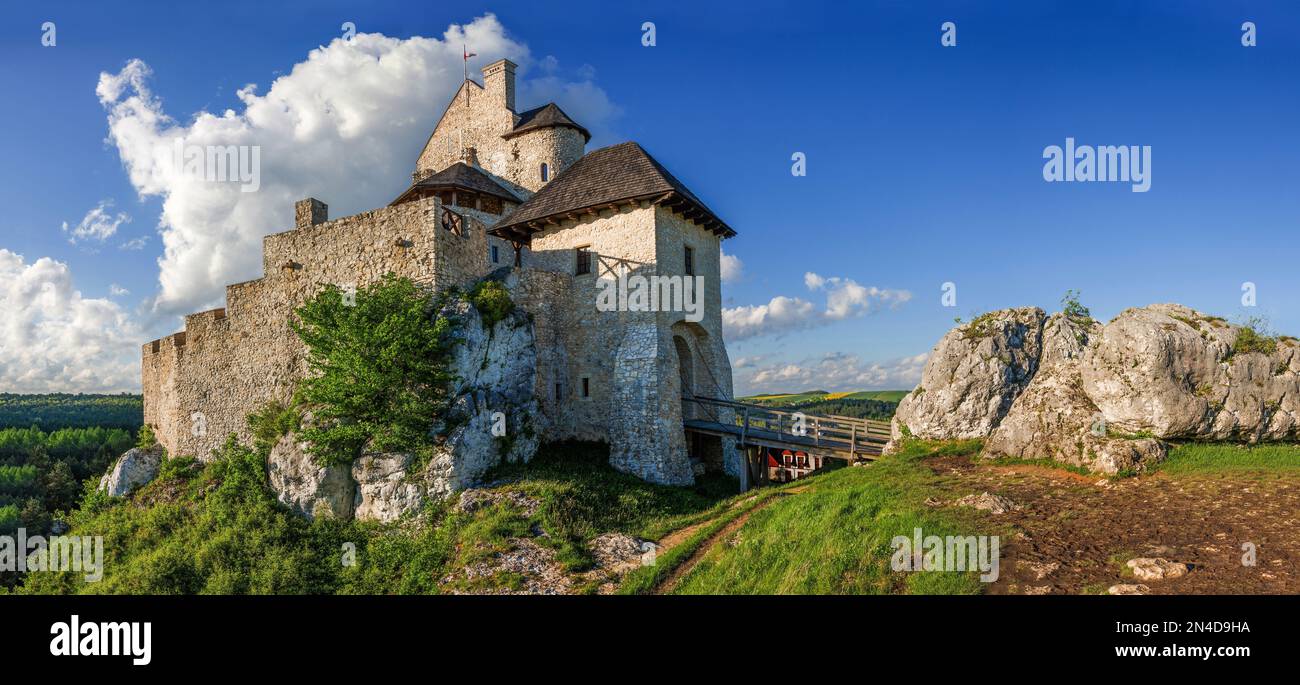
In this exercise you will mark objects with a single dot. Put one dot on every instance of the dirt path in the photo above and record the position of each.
(678, 537)
(1074, 533)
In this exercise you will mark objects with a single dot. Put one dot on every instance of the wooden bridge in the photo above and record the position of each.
(755, 427)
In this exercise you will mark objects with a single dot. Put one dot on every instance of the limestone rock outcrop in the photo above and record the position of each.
(136, 467)
(972, 376)
(386, 490)
(305, 487)
(1104, 397)
(1172, 371)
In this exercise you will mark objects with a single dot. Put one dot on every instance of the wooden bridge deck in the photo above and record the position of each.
(753, 425)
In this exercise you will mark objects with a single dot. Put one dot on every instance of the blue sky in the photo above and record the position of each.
(924, 163)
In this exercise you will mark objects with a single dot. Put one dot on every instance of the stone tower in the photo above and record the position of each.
(525, 149)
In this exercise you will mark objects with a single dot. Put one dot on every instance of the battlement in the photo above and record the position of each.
(229, 360)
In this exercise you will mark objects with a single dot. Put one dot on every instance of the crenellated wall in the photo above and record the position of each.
(201, 383)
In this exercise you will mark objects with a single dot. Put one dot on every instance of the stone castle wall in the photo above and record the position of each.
(201, 383)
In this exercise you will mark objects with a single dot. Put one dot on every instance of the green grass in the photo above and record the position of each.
(644, 580)
(835, 537)
(217, 528)
(1195, 458)
(582, 496)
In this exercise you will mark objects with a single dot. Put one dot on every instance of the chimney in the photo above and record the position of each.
(310, 212)
(499, 83)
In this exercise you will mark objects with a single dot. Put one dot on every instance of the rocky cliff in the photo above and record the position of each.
(494, 367)
(1104, 397)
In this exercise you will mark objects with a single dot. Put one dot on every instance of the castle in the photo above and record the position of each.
(493, 189)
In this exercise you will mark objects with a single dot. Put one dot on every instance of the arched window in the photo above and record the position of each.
(546, 173)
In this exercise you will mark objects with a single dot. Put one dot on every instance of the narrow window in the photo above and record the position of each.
(690, 261)
(495, 257)
(546, 173)
(584, 260)
(586, 387)
(559, 392)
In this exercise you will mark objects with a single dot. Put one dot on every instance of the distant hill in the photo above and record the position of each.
(865, 404)
(816, 395)
(64, 410)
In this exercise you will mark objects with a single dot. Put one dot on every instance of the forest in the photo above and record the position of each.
(51, 446)
(63, 410)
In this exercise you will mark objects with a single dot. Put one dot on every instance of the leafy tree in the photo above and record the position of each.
(146, 439)
(61, 488)
(35, 517)
(1073, 309)
(378, 370)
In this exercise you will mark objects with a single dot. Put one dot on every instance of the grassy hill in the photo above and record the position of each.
(821, 395)
(864, 404)
(827, 534)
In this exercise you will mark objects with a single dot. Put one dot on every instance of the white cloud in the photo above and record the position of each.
(845, 299)
(732, 268)
(115, 290)
(780, 315)
(134, 243)
(53, 340)
(834, 372)
(98, 224)
(345, 125)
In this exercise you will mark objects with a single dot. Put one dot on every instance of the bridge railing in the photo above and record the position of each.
(835, 433)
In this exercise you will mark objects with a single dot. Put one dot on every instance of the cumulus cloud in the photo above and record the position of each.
(99, 224)
(732, 268)
(835, 372)
(53, 340)
(845, 299)
(345, 125)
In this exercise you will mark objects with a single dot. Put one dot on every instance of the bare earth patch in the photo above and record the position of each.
(1075, 534)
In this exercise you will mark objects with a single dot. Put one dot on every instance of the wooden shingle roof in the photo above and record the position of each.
(461, 176)
(547, 115)
(606, 178)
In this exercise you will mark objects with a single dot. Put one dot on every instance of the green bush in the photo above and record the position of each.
(492, 301)
(378, 370)
(146, 439)
(272, 422)
(1249, 340)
